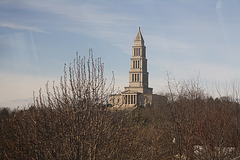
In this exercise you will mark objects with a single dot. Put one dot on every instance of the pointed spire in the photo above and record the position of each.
(139, 39)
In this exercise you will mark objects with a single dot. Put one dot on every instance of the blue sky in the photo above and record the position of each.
(186, 38)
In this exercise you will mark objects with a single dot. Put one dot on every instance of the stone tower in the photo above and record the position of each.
(138, 75)
(137, 93)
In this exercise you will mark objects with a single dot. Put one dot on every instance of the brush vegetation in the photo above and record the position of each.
(73, 121)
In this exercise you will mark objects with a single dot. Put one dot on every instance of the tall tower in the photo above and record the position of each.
(137, 93)
(138, 75)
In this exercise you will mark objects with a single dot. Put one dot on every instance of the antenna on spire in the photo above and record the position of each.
(138, 28)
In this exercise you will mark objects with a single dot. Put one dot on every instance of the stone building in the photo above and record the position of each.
(137, 93)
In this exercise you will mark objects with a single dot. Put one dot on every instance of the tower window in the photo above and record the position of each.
(137, 64)
(136, 51)
(135, 77)
(133, 64)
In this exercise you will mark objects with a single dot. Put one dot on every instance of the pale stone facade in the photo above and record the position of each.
(137, 93)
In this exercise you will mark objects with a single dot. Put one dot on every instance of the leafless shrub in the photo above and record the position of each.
(72, 122)
(195, 119)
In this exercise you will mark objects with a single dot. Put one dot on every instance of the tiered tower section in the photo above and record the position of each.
(138, 75)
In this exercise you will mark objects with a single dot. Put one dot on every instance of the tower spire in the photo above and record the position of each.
(139, 39)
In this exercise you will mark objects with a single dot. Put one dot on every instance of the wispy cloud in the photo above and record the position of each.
(20, 27)
(219, 4)
(167, 44)
(95, 20)
(79, 13)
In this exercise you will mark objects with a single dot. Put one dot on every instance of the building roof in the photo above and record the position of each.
(139, 38)
(130, 92)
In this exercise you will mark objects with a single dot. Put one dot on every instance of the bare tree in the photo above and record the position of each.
(72, 122)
